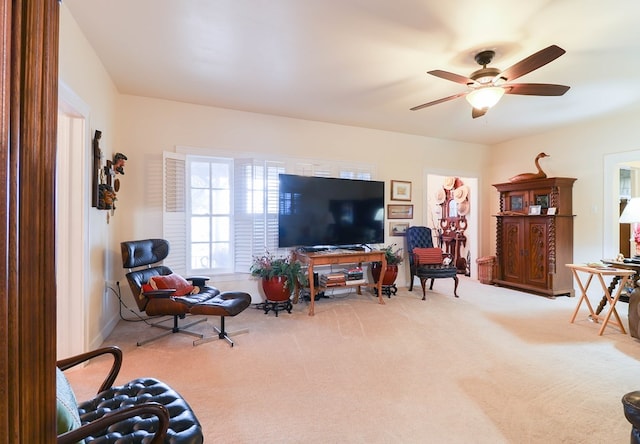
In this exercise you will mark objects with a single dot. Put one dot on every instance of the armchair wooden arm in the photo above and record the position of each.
(67, 363)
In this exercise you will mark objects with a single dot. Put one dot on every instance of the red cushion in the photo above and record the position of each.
(428, 256)
(146, 288)
(172, 281)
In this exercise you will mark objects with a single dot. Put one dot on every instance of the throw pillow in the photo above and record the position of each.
(428, 256)
(66, 405)
(172, 281)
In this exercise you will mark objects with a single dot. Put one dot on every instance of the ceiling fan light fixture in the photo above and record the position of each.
(487, 85)
(485, 97)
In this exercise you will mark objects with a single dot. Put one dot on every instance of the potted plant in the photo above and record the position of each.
(279, 275)
(394, 258)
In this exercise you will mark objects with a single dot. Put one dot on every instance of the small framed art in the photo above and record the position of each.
(398, 228)
(534, 210)
(551, 211)
(400, 190)
(399, 211)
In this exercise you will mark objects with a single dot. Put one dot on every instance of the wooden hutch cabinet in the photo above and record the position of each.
(533, 247)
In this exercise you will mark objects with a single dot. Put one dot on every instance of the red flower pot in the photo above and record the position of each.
(275, 289)
(390, 273)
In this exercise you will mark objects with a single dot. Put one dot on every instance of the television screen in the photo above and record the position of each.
(320, 211)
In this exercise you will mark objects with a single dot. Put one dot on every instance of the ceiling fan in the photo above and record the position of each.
(488, 85)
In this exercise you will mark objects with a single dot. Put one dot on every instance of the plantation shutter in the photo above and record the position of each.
(174, 207)
(273, 170)
(343, 171)
(255, 210)
(355, 172)
(314, 169)
(243, 223)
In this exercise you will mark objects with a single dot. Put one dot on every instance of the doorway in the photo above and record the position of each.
(71, 223)
(613, 164)
(452, 214)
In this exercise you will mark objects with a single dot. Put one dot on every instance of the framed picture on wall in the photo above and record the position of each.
(400, 190)
(398, 228)
(399, 211)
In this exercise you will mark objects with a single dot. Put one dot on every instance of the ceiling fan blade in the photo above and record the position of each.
(475, 113)
(531, 63)
(451, 76)
(535, 89)
(435, 102)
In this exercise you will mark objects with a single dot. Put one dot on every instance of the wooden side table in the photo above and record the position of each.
(600, 272)
(626, 265)
(332, 257)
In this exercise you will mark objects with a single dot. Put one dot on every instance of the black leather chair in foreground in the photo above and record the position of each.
(144, 410)
(160, 292)
(631, 405)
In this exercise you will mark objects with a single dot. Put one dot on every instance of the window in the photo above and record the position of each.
(625, 183)
(256, 217)
(220, 212)
(209, 214)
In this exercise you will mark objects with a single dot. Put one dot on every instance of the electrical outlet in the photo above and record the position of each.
(110, 286)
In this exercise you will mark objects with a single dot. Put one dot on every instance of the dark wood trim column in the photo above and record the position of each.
(29, 94)
(7, 397)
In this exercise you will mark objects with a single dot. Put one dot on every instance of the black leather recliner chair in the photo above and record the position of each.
(144, 410)
(144, 256)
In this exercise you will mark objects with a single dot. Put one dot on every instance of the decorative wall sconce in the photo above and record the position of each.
(105, 184)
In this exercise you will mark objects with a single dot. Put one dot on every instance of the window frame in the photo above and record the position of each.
(210, 160)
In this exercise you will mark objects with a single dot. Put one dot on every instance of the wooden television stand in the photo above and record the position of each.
(331, 257)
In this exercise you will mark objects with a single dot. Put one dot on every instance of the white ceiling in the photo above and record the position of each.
(364, 62)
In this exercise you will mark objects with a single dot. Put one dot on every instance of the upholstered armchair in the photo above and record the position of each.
(426, 261)
(144, 410)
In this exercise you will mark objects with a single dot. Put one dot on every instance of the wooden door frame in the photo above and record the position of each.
(28, 124)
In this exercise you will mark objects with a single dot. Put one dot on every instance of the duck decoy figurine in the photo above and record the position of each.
(530, 176)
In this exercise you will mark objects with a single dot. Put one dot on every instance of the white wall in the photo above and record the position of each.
(147, 127)
(577, 151)
(82, 72)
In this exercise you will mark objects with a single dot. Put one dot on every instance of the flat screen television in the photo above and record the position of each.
(320, 211)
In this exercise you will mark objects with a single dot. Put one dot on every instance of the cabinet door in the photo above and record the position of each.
(540, 197)
(516, 201)
(520, 201)
(513, 239)
(536, 270)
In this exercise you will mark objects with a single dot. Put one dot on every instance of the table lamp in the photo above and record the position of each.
(631, 215)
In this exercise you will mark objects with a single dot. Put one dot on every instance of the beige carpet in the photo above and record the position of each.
(494, 366)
